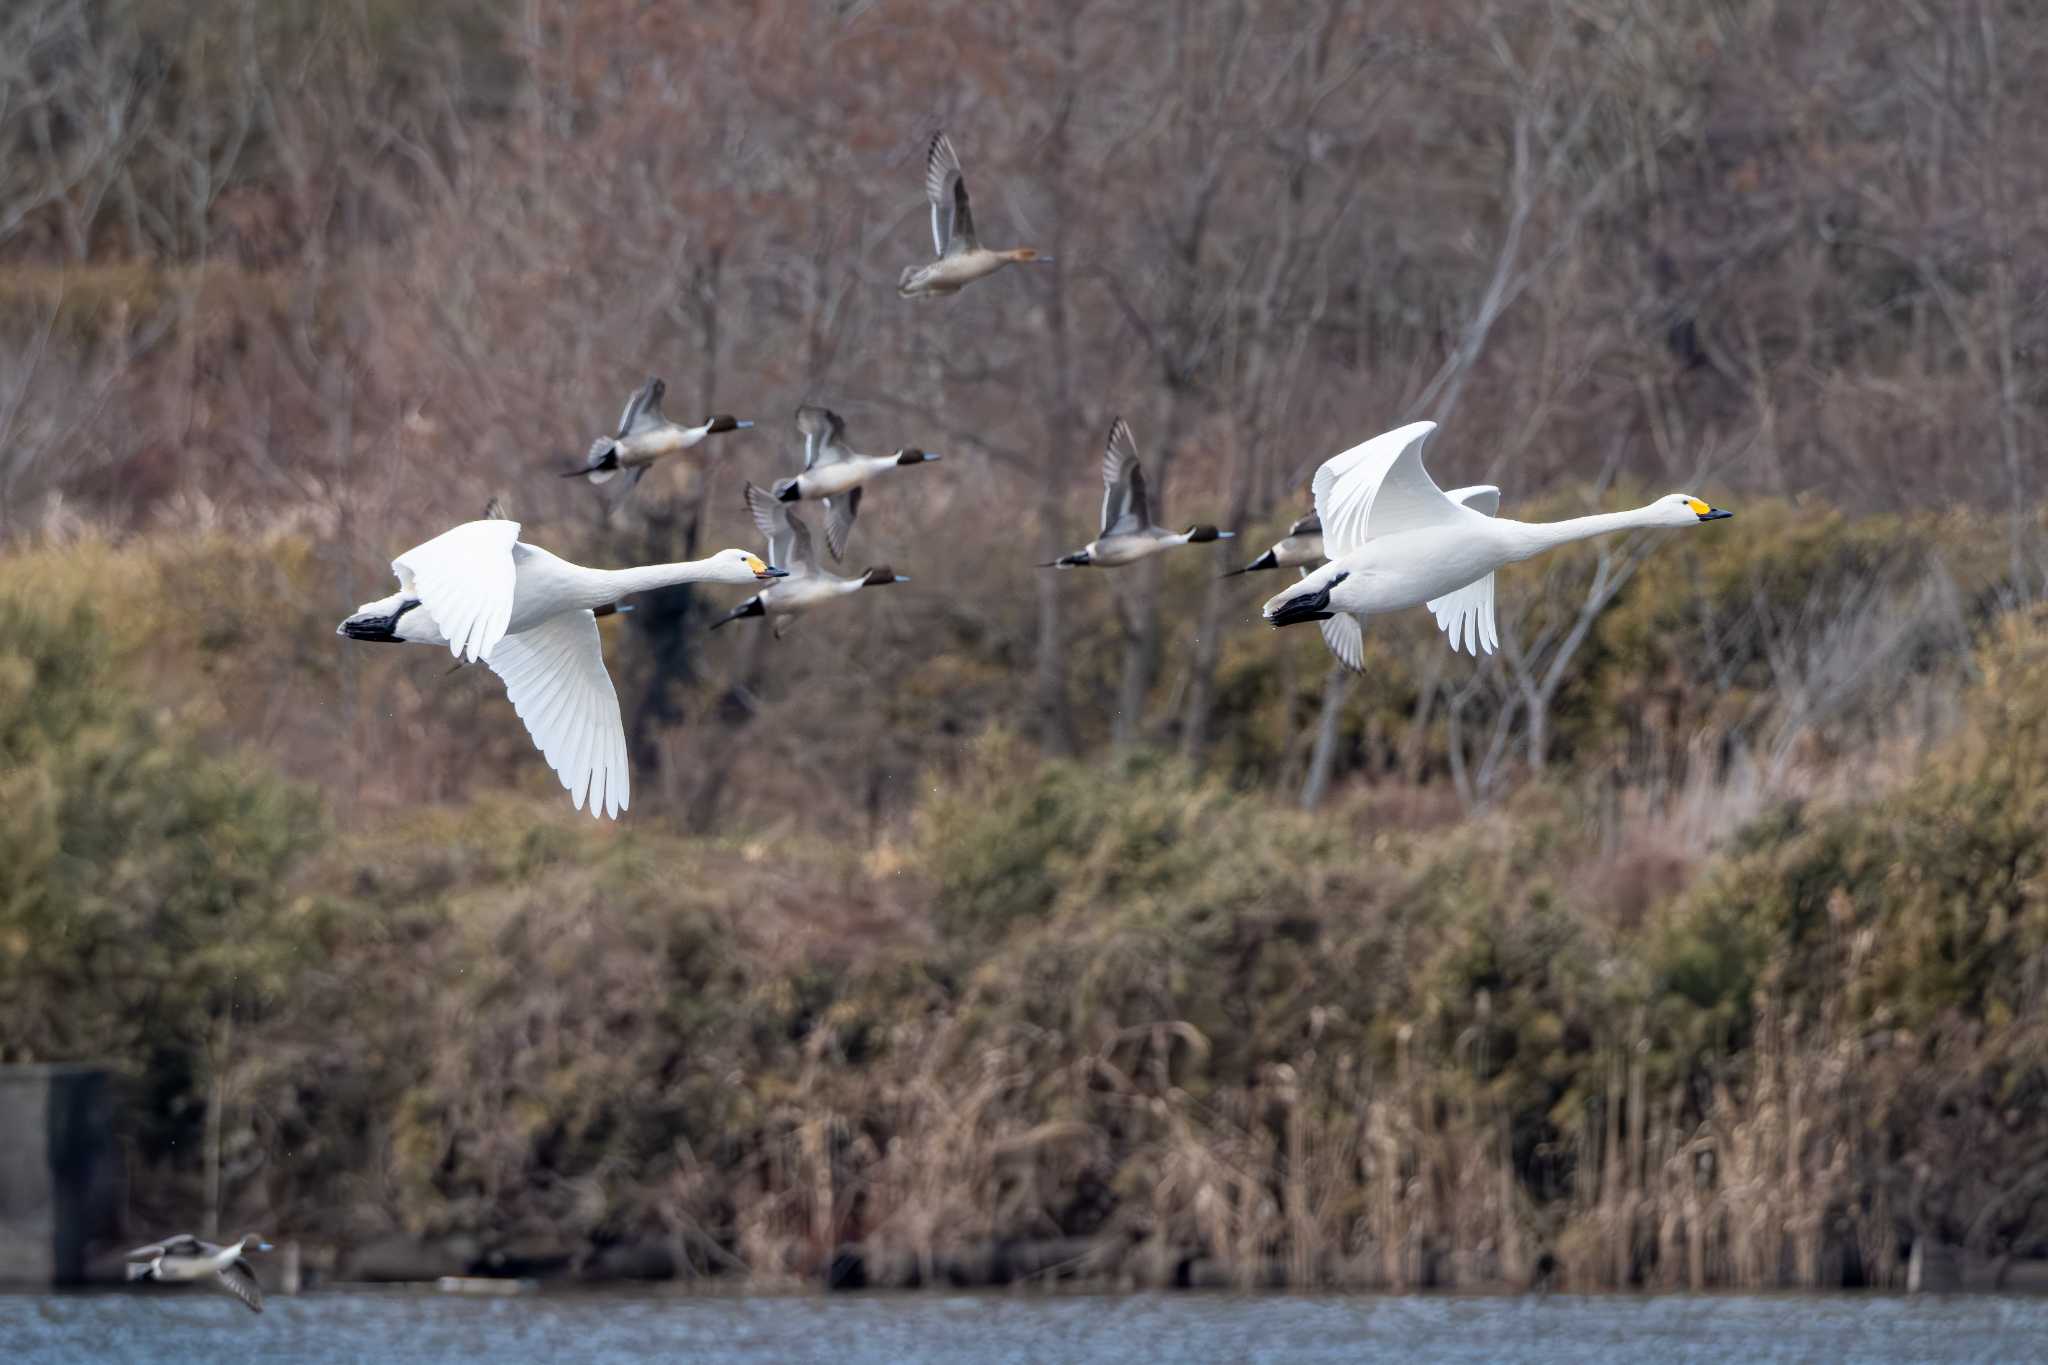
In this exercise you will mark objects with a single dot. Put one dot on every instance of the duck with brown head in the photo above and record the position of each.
(1128, 533)
(809, 585)
(834, 472)
(645, 436)
(961, 258)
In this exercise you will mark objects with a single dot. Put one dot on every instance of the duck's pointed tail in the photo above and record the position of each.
(602, 462)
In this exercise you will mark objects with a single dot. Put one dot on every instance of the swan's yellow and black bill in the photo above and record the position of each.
(1704, 511)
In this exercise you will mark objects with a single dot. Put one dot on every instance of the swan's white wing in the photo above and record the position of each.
(1483, 498)
(465, 579)
(1378, 489)
(556, 679)
(1345, 635)
(1466, 616)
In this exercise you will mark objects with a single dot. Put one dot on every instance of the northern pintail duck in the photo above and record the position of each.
(485, 594)
(184, 1258)
(962, 259)
(1396, 540)
(1128, 534)
(644, 436)
(808, 585)
(1302, 545)
(834, 472)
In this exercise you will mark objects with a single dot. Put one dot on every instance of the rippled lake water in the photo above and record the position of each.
(608, 1329)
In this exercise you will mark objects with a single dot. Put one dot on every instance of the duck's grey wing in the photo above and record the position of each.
(239, 1279)
(1125, 507)
(824, 436)
(802, 558)
(643, 409)
(789, 540)
(839, 514)
(1310, 525)
(183, 1242)
(952, 220)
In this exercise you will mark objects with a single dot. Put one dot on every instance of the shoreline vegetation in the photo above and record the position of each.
(1118, 1020)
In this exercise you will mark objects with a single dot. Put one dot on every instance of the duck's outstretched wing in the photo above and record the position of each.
(1377, 489)
(183, 1243)
(1310, 525)
(824, 436)
(643, 409)
(840, 510)
(1125, 507)
(556, 678)
(239, 1279)
(946, 188)
(466, 580)
(789, 540)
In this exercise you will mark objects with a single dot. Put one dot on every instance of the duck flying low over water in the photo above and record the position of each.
(644, 436)
(808, 585)
(485, 594)
(834, 472)
(1302, 546)
(1396, 540)
(184, 1259)
(962, 259)
(1128, 534)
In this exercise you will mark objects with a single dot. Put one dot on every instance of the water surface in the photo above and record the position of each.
(426, 1328)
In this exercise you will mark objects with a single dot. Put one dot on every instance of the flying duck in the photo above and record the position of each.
(834, 472)
(962, 259)
(807, 585)
(644, 436)
(1128, 534)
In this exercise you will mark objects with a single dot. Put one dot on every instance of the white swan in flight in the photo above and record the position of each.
(1396, 540)
(485, 594)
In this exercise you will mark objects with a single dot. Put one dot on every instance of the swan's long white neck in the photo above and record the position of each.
(605, 586)
(1527, 538)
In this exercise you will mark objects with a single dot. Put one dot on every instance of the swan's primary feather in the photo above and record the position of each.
(1345, 635)
(1466, 616)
